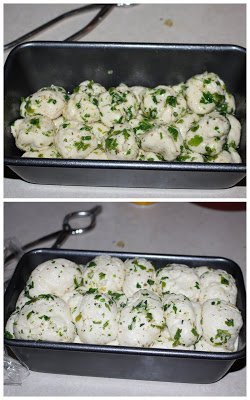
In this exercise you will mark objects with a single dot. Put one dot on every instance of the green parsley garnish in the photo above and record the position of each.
(196, 140)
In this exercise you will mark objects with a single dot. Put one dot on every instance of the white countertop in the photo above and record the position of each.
(168, 228)
(213, 24)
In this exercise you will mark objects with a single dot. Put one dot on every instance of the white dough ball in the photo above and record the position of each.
(47, 318)
(141, 320)
(33, 133)
(165, 140)
(204, 92)
(221, 323)
(217, 283)
(139, 274)
(164, 104)
(179, 279)
(96, 318)
(48, 101)
(182, 319)
(80, 108)
(117, 106)
(75, 140)
(56, 277)
(121, 144)
(104, 273)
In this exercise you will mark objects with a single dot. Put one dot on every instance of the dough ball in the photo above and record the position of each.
(48, 101)
(164, 104)
(75, 140)
(179, 279)
(182, 319)
(47, 318)
(221, 323)
(104, 273)
(96, 318)
(217, 283)
(139, 274)
(121, 144)
(165, 140)
(117, 106)
(141, 320)
(33, 133)
(56, 277)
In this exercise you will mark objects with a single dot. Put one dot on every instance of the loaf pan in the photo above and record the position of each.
(33, 65)
(118, 361)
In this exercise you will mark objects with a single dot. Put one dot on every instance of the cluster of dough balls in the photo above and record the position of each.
(128, 303)
(189, 122)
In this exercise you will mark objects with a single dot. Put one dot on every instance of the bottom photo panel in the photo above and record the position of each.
(124, 299)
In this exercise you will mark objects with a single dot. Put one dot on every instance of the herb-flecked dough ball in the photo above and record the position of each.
(104, 273)
(55, 277)
(46, 318)
(33, 133)
(139, 274)
(75, 140)
(48, 101)
(141, 320)
(96, 317)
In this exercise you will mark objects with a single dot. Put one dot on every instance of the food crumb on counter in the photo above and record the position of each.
(168, 22)
(120, 243)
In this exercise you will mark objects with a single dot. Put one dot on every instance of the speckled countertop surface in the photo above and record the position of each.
(168, 228)
(140, 23)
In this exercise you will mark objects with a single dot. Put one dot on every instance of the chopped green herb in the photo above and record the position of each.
(105, 325)
(130, 327)
(91, 264)
(150, 282)
(8, 335)
(111, 144)
(144, 125)
(224, 281)
(223, 336)
(229, 322)
(194, 128)
(174, 132)
(30, 313)
(174, 308)
(102, 275)
(45, 317)
(196, 140)
(149, 316)
(135, 262)
(197, 286)
(35, 122)
(172, 101)
(91, 290)
(78, 317)
(207, 98)
(53, 101)
(78, 284)
(194, 332)
(177, 337)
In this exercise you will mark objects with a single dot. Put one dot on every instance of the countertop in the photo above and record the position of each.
(159, 228)
(140, 23)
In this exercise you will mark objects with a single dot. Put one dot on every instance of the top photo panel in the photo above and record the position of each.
(135, 101)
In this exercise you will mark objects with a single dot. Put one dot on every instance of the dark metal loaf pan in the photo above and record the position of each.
(118, 361)
(33, 65)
